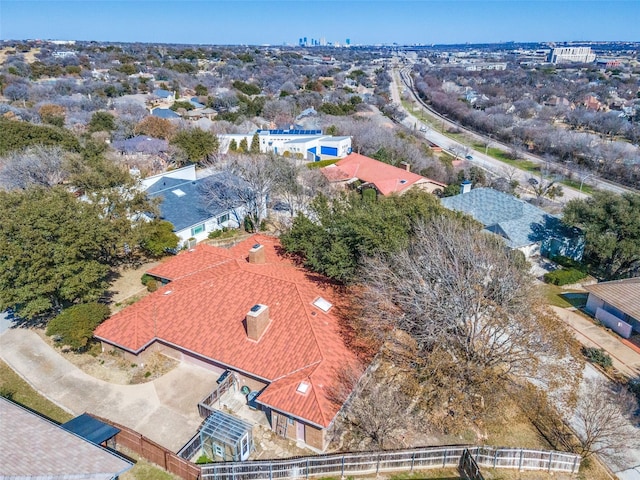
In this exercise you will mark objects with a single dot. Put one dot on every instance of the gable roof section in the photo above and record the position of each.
(33, 447)
(203, 310)
(518, 222)
(622, 294)
(183, 203)
(386, 178)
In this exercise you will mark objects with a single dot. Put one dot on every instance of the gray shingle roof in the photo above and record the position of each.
(622, 294)
(519, 222)
(33, 447)
(182, 201)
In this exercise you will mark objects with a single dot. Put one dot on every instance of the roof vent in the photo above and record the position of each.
(255, 308)
(322, 304)
(178, 193)
(257, 254)
(303, 388)
(168, 292)
(403, 181)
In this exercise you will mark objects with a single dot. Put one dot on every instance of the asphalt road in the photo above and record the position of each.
(492, 165)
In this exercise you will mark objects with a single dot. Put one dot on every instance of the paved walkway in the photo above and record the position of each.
(164, 410)
(625, 359)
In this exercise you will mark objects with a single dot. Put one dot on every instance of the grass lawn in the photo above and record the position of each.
(16, 389)
(559, 297)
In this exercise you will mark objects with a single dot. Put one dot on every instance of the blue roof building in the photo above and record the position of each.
(522, 225)
(159, 92)
(164, 113)
(198, 207)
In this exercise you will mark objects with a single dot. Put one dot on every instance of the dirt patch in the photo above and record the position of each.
(127, 287)
(269, 445)
(113, 368)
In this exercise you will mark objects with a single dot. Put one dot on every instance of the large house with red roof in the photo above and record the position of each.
(251, 312)
(385, 178)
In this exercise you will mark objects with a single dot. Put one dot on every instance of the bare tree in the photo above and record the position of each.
(260, 174)
(376, 409)
(470, 306)
(38, 165)
(604, 418)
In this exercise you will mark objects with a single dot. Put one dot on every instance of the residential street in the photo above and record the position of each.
(164, 410)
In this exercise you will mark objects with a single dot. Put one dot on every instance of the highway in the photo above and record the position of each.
(401, 79)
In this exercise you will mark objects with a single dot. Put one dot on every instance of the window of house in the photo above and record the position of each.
(223, 218)
(290, 420)
(219, 452)
(196, 230)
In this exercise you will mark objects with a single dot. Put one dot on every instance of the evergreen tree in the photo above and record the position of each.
(255, 144)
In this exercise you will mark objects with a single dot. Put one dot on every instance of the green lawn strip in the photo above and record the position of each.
(13, 387)
(559, 297)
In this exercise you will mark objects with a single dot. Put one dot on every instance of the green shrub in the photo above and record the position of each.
(75, 325)
(202, 459)
(597, 356)
(321, 163)
(568, 262)
(150, 282)
(564, 276)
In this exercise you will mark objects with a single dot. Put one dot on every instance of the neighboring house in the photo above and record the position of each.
(309, 145)
(250, 312)
(164, 113)
(164, 94)
(522, 225)
(32, 447)
(197, 207)
(616, 304)
(385, 178)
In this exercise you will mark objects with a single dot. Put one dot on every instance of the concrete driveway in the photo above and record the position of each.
(625, 359)
(164, 410)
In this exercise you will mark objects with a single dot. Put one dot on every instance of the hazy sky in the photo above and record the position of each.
(363, 21)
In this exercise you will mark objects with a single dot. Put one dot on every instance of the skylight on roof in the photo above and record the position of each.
(303, 388)
(323, 304)
(178, 193)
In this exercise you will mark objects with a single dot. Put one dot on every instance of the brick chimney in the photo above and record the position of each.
(257, 321)
(257, 254)
(406, 166)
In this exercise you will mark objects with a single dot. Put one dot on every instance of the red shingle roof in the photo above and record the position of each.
(203, 308)
(387, 178)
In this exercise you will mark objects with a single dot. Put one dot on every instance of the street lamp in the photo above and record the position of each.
(583, 179)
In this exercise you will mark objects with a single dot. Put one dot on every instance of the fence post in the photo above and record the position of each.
(413, 458)
(575, 461)
(520, 462)
(495, 457)
(342, 472)
(550, 459)
(444, 458)
(377, 465)
(270, 471)
(307, 468)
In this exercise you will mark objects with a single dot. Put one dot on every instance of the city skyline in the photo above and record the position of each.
(284, 22)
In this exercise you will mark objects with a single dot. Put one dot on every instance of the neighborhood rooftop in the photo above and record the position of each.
(33, 447)
(202, 312)
(518, 222)
(621, 294)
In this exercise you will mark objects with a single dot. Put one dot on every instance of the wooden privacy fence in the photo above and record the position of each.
(153, 452)
(373, 463)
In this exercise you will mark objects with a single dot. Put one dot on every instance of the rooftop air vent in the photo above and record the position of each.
(178, 193)
(303, 388)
